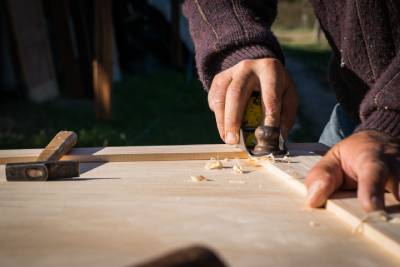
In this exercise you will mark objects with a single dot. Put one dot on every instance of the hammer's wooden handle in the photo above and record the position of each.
(60, 145)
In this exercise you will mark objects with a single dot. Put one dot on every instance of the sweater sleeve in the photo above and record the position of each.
(380, 109)
(225, 32)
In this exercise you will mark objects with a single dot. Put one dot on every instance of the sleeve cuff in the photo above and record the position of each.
(386, 121)
(247, 52)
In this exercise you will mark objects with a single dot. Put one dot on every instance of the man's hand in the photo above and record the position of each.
(231, 89)
(369, 159)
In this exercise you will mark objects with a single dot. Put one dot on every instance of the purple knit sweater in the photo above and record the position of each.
(364, 35)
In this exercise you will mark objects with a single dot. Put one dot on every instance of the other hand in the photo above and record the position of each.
(367, 160)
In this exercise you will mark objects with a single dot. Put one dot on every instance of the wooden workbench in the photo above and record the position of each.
(133, 208)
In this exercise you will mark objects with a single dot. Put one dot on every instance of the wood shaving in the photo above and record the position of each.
(213, 164)
(198, 178)
(269, 157)
(287, 159)
(238, 169)
(314, 224)
(395, 220)
(376, 216)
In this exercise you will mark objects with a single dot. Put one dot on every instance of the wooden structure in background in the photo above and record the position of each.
(66, 46)
(134, 203)
(102, 61)
(30, 38)
(176, 42)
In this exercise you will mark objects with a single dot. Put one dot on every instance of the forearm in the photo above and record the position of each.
(228, 31)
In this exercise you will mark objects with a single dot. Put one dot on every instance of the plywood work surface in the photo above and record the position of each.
(121, 213)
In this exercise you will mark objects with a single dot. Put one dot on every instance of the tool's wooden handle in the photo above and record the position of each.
(60, 145)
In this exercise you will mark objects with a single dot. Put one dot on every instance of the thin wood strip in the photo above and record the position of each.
(126, 154)
(344, 205)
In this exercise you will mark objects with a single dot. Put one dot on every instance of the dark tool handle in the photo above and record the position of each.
(194, 256)
(60, 145)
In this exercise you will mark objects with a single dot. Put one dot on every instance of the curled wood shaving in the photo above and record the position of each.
(198, 178)
(314, 224)
(213, 164)
(376, 216)
(287, 159)
(238, 169)
(395, 220)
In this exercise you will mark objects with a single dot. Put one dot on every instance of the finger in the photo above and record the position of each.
(392, 185)
(237, 95)
(372, 177)
(216, 99)
(393, 182)
(271, 82)
(289, 108)
(324, 179)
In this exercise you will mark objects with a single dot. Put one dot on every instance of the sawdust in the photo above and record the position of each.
(198, 178)
(213, 164)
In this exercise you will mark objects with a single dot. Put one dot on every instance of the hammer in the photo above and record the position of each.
(47, 166)
(192, 256)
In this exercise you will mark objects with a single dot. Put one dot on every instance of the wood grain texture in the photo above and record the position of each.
(60, 145)
(122, 213)
(343, 204)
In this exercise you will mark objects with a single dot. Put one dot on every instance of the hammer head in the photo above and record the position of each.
(42, 171)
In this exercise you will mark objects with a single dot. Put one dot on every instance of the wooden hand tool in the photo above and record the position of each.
(193, 256)
(47, 166)
(256, 138)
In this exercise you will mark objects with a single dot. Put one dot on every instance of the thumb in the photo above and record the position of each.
(324, 179)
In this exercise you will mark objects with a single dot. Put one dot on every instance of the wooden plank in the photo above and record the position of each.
(122, 213)
(343, 204)
(303, 157)
(124, 154)
(29, 30)
(102, 62)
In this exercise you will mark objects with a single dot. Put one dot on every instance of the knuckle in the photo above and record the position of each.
(235, 91)
(245, 65)
(216, 102)
(272, 62)
(218, 81)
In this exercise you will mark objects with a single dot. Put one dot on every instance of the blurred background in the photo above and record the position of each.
(122, 73)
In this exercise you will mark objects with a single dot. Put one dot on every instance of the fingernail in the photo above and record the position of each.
(231, 138)
(313, 192)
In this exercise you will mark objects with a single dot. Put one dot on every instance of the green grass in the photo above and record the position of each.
(160, 108)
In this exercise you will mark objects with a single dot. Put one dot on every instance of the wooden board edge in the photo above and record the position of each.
(368, 229)
(127, 154)
(343, 213)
